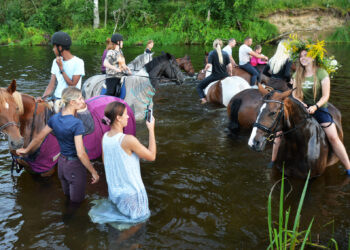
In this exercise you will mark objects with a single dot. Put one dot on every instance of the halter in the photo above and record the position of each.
(272, 130)
(8, 125)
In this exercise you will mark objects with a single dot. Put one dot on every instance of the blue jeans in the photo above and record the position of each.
(206, 81)
(253, 71)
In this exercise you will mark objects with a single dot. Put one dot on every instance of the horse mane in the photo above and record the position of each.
(157, 60)
(16, 96)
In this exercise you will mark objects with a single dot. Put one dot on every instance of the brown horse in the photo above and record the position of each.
(22, 118)
(244, 107)
(236, 71)
(304, 145)
(186, 64)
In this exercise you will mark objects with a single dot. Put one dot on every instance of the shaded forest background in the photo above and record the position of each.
(32, 22)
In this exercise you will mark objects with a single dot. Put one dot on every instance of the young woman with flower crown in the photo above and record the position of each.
(312, 88)
(128, 202)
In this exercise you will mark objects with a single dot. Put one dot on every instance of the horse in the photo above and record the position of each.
(244, 107)
(304, 146)
(236, 71)
(141, 86)
(186, 64)
(22, 118)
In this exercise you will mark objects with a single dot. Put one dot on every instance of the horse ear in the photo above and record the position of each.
(12, 88)
(286, 94)
(262, 90)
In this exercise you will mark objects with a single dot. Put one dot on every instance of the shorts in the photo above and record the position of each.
(322, 115)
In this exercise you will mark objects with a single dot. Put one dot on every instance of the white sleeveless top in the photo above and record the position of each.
(125, 187)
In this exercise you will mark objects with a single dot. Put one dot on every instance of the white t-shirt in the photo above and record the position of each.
(243, 53)
(74, 66)
(228, 50)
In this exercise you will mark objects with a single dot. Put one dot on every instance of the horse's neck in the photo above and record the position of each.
(26, 119)
(294, 113)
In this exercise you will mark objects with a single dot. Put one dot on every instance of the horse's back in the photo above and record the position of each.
(96, 106)
(93, 86)
(232, 86)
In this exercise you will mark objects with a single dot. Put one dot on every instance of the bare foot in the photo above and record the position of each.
(203, 101)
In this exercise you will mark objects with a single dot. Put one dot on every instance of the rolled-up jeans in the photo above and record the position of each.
(253, 71)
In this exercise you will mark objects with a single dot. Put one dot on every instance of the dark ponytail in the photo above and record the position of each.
(112, 110)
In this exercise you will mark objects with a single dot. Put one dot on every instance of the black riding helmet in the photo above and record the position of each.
(116, 38)
(61, 38)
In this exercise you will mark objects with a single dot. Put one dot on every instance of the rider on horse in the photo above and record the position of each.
(228, 49)
(66, 68)
(115, 67)
(245, 52)
(220, 64)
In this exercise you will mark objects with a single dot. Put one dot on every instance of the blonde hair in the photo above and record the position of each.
(300, 78)
(217, 44)
(70, 94)
(149, 42)
(279, 58)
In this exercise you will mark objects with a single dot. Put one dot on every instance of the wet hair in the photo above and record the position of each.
(69, 94)
(217, 44)
(257, 47)
(112, 110)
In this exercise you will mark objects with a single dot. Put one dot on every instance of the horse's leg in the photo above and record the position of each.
(232, 111)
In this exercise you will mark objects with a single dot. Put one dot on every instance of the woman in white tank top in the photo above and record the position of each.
(128, 202)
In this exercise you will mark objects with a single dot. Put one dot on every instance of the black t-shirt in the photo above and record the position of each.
(284, 73)
(148, 51)
(218, 69)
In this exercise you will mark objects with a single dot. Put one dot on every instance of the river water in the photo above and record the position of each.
(206, 190)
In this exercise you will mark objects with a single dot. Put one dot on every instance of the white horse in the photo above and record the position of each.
(222, 91)
(140, 86)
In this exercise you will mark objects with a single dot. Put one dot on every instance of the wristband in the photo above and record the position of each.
(62, 71)
(317, 106)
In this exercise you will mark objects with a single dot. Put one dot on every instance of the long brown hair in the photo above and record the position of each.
(300, 78)
(112, 110)
(109, 44)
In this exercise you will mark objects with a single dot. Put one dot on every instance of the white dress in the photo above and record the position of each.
(128, 202)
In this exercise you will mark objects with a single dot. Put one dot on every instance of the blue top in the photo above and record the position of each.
(65, 128)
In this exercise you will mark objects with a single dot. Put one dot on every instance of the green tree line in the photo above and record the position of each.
(31, 22)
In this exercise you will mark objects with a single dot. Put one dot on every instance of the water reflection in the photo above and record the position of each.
(205, 189)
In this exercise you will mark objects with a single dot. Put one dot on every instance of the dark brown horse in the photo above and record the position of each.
(186, 64)
(243, 108)
(236, 71)
(304, 145)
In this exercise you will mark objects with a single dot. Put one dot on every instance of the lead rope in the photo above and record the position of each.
(15, 165)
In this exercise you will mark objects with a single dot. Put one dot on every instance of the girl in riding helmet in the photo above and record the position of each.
(115, 67)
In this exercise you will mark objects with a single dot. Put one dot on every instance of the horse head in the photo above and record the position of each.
(186, 64)
(269, 120)
(164, 65)
(11, 108)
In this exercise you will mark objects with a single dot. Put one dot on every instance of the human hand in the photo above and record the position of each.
(150, 125)
(312, 109)
(59, 62)
(95, 177)
(21, 151)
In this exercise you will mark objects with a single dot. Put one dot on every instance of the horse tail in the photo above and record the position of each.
(234, 124)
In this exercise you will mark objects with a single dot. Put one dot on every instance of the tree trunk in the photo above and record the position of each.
(106, 8)
(96, 15)
(208, 16)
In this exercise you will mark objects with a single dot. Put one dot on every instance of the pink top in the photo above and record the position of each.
(254, 61)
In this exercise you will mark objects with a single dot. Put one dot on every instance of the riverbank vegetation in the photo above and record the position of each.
(32, 22)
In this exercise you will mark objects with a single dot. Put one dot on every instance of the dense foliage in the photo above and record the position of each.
(167, 22)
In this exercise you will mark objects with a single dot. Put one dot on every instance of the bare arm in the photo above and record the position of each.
(229, 69)
(207, 66)
(253, 53)
(83, 157)
(110, 66)
(233, 63)
(326, 88)
(38, 139)
(131, 144)
(50, 88)
(71, 82)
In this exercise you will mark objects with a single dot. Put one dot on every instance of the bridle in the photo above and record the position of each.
(173, 72)
(271, 130)
(8, 124)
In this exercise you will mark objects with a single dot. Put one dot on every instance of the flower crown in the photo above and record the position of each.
(314, 50)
